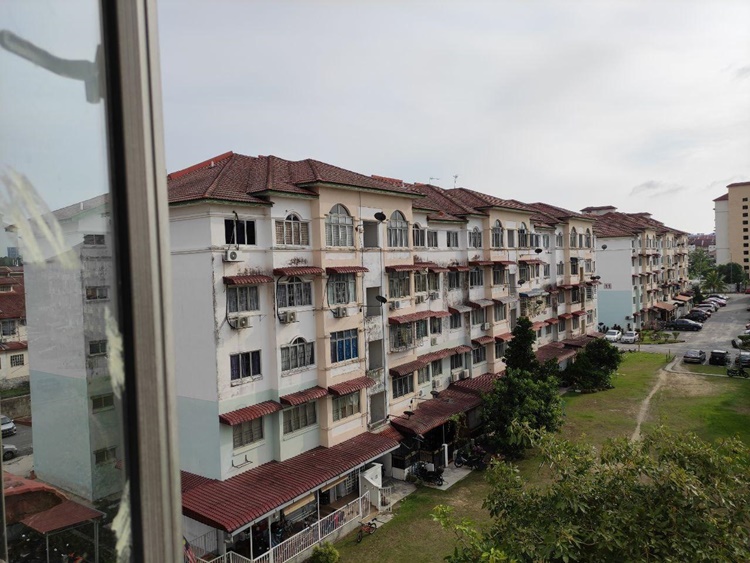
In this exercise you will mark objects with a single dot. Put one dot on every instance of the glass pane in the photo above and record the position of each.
(56, 212)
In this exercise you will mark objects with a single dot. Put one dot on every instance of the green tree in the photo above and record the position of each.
(697, 294)
(713, 282)
(669, 497)
(699, 263)
(593, 366)
(325, 553)
(732, 274)
(520, 353)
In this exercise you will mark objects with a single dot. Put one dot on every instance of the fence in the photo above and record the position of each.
(233, 557)
(205, 544)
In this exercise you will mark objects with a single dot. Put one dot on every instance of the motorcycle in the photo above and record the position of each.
(474, 461)
(422, 472)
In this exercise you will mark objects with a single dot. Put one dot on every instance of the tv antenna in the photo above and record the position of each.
(431, 179)
(455, 178)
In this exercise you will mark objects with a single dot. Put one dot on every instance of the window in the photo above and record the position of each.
(242, 298)
(497, 235)
(247, 432)
(245, 366)
(479, 355)
(523, 238)
(559, 242)
(420, 282)
(436, 325)
(17, 360)
(97, 347)
(575, 323)
(546, 270)
(9, 327)
(421, 328)
(587, 266)
(346, 406)
(93, 240)
(398, 231)
(97, 292)
(300, 417)
(294, 292)
(499, 312)
(499, 349)
(457, 361)
(454, 280)
(344, 345)
(475, 238)
(419, 235)
(403, 385)
(339, 227)
(561, 325)
(433, 281)
(401, 336)
(398, 284)
(574, 266)
(589, 317)
(511, 238)
(452, 239)
(545, 241)
(573, 238)
(477, 316)
(476, 277)
(342, 289)
(432, 239)
(239, 232)
(499, 276)
(292, 231)
(587, 240)
(548, 330)
(423, 375)
(102, 402)
(455, 320)
(299, 353)
(105, 455)
(575, 295)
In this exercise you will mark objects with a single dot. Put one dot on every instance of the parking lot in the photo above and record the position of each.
(717, 334)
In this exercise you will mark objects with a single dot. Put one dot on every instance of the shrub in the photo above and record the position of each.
(325, 553)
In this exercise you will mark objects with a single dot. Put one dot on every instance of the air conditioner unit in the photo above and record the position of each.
(436, 384)
(486, 326)
(463, 374)
(288, 317)
(243, 322)
(434, 295)
(454, 377)
(433, 341)
(393, 305)
(340, 312)
(232, 256)
(419, 299)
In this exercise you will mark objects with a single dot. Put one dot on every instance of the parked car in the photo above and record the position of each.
(697, 316)
(743, 359)
(719, 302)
(683, 324)
(630, 337)
(7, 426)
(694, 357)
(9, 451)
(705, 311)
(736, 343)
(719, 358)
(709, 305)
(613, 335)
(721, 296)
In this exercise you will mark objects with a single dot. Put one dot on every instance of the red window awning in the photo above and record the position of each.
(252, 412)
(410, 318)
(505, 337)
(408, 367)
(481, 263)
(538, 325)
(298, 271)
(459, 308)
(351, 386)
(579, 313)
(481, 303)
(405, 268)
(304, 396)
(565, 316)
(459, 268)
(552, 321)
(531, 261)
(483, 340)
(247, 280)
(504, 262)
(346, 269)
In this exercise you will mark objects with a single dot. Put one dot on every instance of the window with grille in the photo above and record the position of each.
(561, 325)
(245, 366)
(573, 238)
(419, 236)
(242, 298)
(475, 238)
(436, 325)
(105, 455)
(499, 275)
(477, 316)
(97, 347)
(452, 239)
(457, 361)
(423, 375)
(102, 402)
(299, 353)
(402, 385)
(401, 336)
(398, 231)
(545, 241)
(344, 345)
(497, 235)
(341, 289)
(247, 432)
(574, 266)
(559, 240)
(94, 293)
(346, 406)
(523, 236)
(300, 417)
(93, 240)
(476, 277)
(499, 349)
(9, 327)
(239, 232)
(436, 367)
(499, 312)
(454, 280)
(398, 284)
(587, 239)
(433, 281)
(294, 292)
(455, 320)
(421, 328)
(479, 355)
(339, 227)
(546, 270)
(420, 282)
(575, 322)
(432, 239)
(292, 232)
(17, 360)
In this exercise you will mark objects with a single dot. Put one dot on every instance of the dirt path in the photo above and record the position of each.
(646, 403)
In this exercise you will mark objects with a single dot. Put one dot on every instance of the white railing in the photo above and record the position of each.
(205, 545)
(233, 557)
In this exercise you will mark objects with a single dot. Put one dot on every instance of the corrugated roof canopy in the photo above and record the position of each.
(304, 396)
(346, 269)
(252, 412)
(298, 271)
(247, 280)
(351, 386)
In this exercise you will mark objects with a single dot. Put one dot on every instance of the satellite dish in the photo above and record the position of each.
(538, 250)
(604, 247)
(380, 216)
(409, 413)
(381, 299)
(521, 282)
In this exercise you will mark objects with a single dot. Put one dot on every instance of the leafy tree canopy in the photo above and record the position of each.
(520, 354)
(594, 366)
(669, 497)
(699, 263)
(713, 282)
(732, 273)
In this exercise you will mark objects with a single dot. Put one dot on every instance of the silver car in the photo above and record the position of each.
(630, 337)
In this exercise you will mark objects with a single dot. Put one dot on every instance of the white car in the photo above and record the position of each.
(7, 425)
(613, 335)
(630, 337)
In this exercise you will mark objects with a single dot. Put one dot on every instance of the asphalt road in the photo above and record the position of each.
(717, 334)
(21, 440)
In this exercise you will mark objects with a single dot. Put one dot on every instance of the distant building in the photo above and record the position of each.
(732, 224)
(705, 241)
(14, 363)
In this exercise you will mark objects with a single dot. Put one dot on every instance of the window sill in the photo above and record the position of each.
(300, 369)
(300, 431)
(248, 447)
(244, 380)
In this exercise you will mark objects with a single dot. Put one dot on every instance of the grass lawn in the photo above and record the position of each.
(705, 368)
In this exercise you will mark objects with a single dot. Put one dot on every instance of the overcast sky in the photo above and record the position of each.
(641, 105)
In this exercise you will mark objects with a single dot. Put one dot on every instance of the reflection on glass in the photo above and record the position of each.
(63, 453)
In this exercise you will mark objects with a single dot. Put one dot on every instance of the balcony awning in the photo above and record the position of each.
(432, 267)
(298, 271)
(351, 386)
(531, 261)
(410, 318)
(553, 290)
(505, 337)
(459, 308)
(507, 300)
(683, 298)
(504, 262)
(346, 269)
(578, 313)
(554, 351)
(433, 413)
(538, 325)
(536, 292)
(565, 286)
(552, 321)
(459, 268)
(246, 414)
(444, 353)
(565, 316)
(439, 314)
(304, 396)
(481, 263)
(483, 340)
(247, 280)
(408, 367)
(480, 303)
(405, 268)
(664, 306)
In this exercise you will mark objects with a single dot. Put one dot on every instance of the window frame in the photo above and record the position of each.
(245, 362)
(397, 232)
(302, 422)
(348, 351)
(301, 287)
(342, 286)
(234, 298)
(402, 385)
(296, 347)
(293, 228)
(339, 222)
(340, 406)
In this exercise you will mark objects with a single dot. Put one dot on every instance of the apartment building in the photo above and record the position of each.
(14, 363)
(328, 325)
(644, 267)
(732, 223)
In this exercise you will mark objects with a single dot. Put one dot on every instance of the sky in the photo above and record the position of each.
(640, 105)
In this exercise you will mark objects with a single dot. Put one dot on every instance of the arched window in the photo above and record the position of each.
(294, 292)
(475, 238)
(523, 236)
(298, 353)
(497, 235)
(339, 227)
(418, 235)
(573, 238)
(292, 231)
(588, 238)
(398, 231)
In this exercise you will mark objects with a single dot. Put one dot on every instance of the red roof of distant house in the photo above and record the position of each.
(231, 504)
(434, 412)
(351, 386)
(12, 305)
(65, 515)
(305, 396)
(480, 384)
(249, 413)
(554, 351)
(247, 280)
(13, 346)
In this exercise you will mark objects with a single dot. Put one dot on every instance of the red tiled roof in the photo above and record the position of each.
(504, 262)
(556, 212)
(439, 314)
(247, 280)
(405, 267)
(435, 412)
(481, 262)
(565, 316)
(664, 306)
(480, 303)
(8, 280)
(505, 337)
(298, 271)
(578, 342)
(249, 413)
(445, 207)
(390, 432)
(682, 298)
(478, 385)
(190, 481)
(351, 386)
(459, 308)
(64, 515)
(13, 346)
(478, 200)
(304, 396)
(438, 269)
(579, 313)
(231, 504)
(440, 354)
(12, 305)
(554, 351)
(458, 268)
(408, 367)
(538, 325)
(346, 269)
(410, 318)
(552, 321)
(531, 261)
(483, 340)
